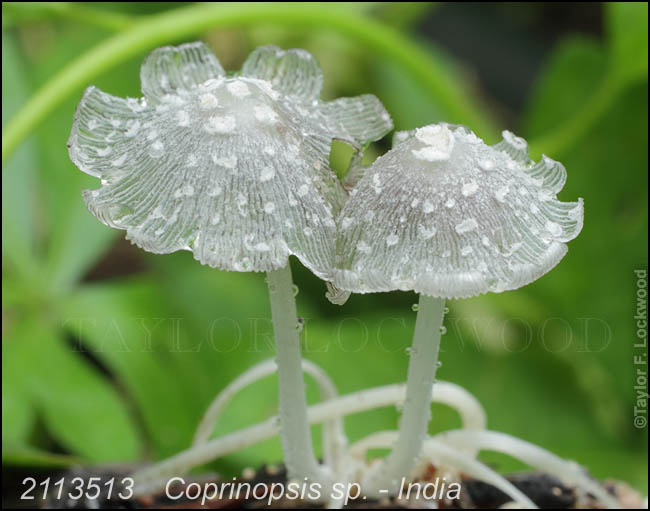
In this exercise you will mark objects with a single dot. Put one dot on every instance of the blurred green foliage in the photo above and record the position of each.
(111, 354)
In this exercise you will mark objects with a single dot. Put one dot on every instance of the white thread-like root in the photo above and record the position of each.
(154, 478)
(437, 452)
(334, 439)
(459, 444)
(530, 454)
(211, 417)
(468, 407)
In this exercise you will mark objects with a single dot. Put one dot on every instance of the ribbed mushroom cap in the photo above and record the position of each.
(234, 169)
(446, 215)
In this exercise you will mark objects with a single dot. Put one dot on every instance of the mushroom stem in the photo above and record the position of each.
(294, 428)
(385, 476)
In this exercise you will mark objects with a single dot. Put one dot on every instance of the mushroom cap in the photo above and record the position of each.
(233, 168)
(448, 216)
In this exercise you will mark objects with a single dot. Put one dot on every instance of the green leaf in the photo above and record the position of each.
(76, 239)
(18, 407)
(127, 326)
(30, 457)
(627, 26)
(19, 200)
(589, 291)
(82, 410)
(411, 105)
(404, 15)
(627, 62)
(565, 85)
(595, 282)
(17, 410)
(204, 326)
(225, 318)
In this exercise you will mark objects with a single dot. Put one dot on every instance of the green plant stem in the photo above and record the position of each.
(296, 435)
(416, 414)
(177, 24)
(72, 11)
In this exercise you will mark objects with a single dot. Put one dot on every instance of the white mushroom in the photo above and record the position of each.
(451, 218)
(467, 231)
(190, 165)
(234, 169)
